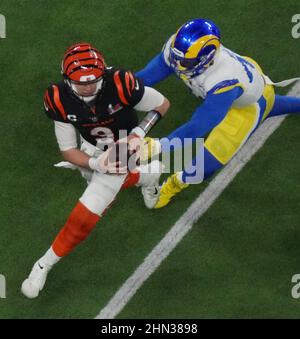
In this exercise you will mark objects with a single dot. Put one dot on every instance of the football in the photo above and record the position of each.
(126, 157)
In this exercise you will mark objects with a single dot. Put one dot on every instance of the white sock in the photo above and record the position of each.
(49, 258)
(179, 177)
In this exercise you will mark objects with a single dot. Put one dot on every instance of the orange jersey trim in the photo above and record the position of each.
(58, 102)
(120, 88)
(127, 81)
(132, 81)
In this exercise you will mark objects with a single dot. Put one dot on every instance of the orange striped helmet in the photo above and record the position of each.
(83, 63)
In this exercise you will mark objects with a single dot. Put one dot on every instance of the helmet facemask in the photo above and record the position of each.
(88, 97)
(191, 67)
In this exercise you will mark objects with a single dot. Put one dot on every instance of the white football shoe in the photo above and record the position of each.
(151, 195)
(35, 282)
(150, 175)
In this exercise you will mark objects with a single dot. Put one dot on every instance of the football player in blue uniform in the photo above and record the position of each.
(237, 95)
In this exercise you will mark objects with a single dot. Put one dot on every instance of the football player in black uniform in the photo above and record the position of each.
(99, 102)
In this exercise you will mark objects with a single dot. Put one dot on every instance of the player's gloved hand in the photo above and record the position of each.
(130, 147)
(110, 161)
(150, 148)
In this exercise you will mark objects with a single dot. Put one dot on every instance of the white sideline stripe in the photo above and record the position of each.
(194, 212)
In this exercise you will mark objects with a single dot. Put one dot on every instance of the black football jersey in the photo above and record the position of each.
(111, 111)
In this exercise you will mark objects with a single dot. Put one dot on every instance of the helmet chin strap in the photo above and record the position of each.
(86, 99)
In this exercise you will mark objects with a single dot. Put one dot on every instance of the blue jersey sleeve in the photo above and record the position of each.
(155, 71)
(205, 118)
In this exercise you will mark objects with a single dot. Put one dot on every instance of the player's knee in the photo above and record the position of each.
(95, 203)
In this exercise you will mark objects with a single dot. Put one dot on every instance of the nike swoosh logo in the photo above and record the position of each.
(41, 267)
(137, 86)
(156, 191)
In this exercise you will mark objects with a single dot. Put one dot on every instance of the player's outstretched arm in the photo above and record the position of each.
(76, 157)
(156, 105)
(155, 71)
(205, 118)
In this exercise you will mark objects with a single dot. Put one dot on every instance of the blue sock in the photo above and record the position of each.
(285, 105)
(211, 165)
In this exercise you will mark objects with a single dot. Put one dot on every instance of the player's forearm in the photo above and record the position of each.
(76, 157)
(206, 117)
(193, 129)
(102, 163)
(155, 71)
(151, 119)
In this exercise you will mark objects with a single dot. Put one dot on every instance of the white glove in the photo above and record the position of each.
(66, 164)
(107, 164)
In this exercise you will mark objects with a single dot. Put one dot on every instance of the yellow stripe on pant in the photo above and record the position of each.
(268, 94)
(229, 136)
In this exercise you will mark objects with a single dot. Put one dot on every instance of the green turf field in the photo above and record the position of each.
(238, 260)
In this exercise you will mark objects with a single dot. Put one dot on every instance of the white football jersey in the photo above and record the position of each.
(227, 66)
